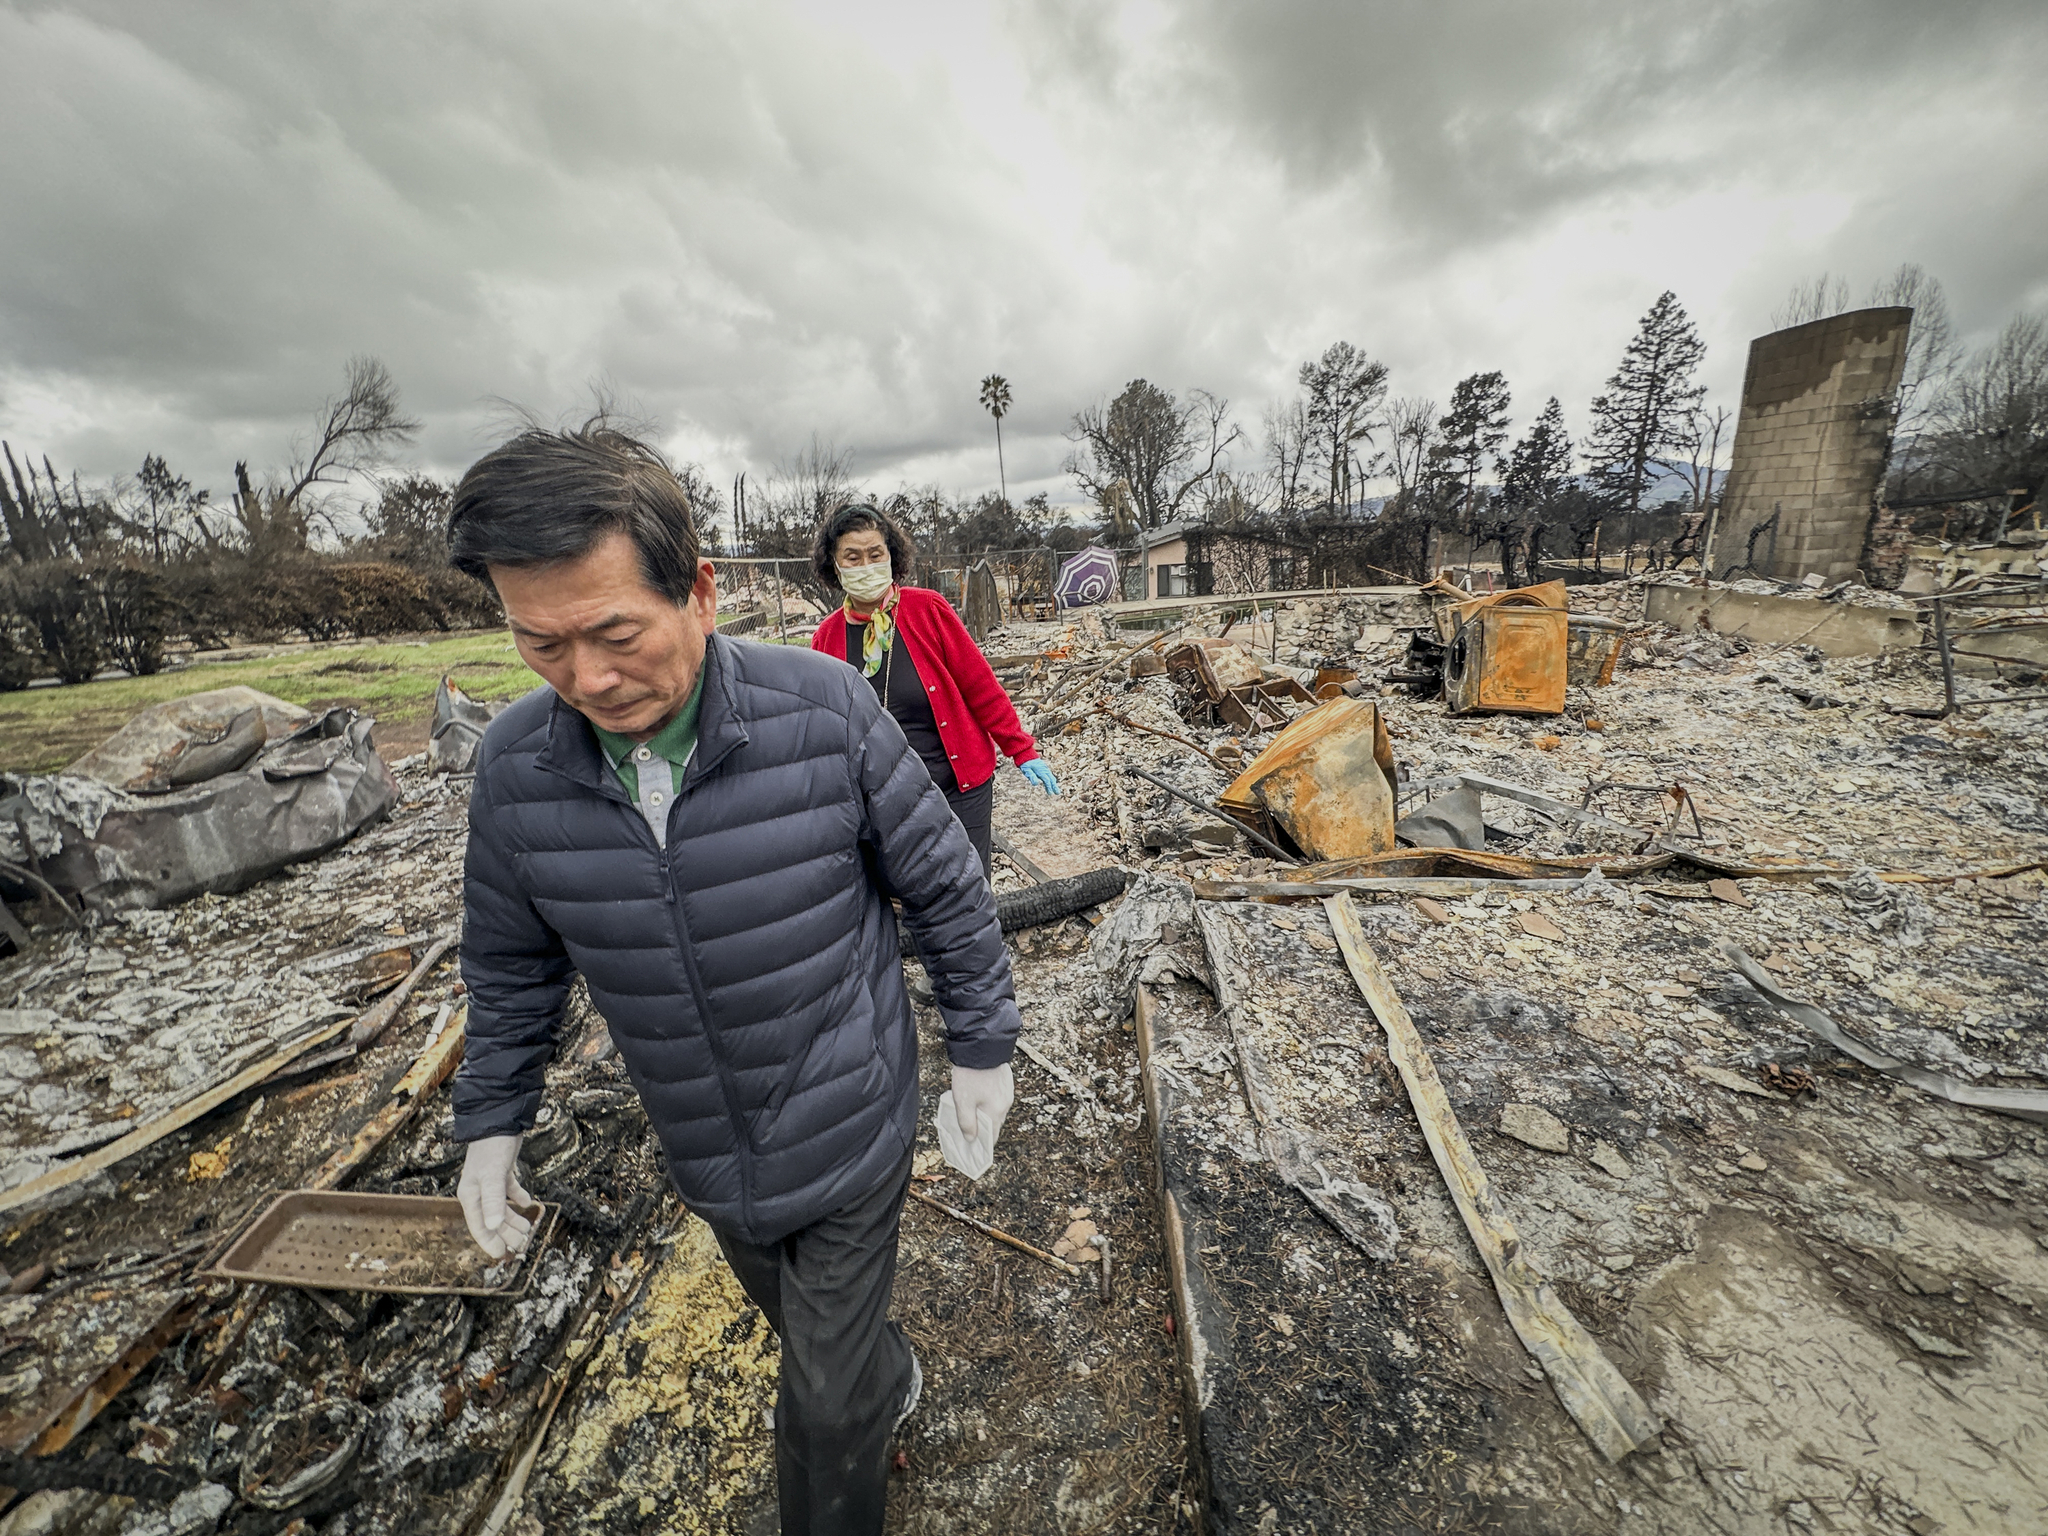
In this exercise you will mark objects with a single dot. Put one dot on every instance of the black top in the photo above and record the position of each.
(908, 702)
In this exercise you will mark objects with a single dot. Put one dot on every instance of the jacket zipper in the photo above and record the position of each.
(727, 1087)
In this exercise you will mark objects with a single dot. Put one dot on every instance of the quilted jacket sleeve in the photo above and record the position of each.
(932, 868)
(518, 978)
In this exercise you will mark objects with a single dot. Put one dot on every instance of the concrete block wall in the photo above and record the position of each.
(1810, 445)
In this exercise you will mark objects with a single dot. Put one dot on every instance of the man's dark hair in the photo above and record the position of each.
(551, 496)
(858, 517)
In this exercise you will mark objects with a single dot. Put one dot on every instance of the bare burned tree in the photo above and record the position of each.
(1931, 352)
(164, 512)
(707, 501)
(1411, 443)
(268, 525)
(805, 489)
(1698, 438)
(1932, 359)
(355, 432)
(1287, 455)
(1409, 515)
(1990, 429)
(1161, 449)
(1816, 299)
(817, 481)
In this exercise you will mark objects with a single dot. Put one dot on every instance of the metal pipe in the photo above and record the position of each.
(997, 1233)
(2016, 698)
(1948, 662)
(1258, 837)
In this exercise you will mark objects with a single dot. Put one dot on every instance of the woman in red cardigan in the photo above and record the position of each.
(923, 664)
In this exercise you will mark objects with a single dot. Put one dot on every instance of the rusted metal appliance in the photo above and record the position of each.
(1508, 655)
(1591, 647)
(1451, 606)
(1225, 676)
(1327, 782)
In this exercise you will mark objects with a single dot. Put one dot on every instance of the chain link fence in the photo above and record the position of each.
(1024, 578)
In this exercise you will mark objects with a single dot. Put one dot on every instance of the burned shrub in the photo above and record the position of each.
(21, 650)
(458, 601)
(379, 598)
(56, 601)
(206, 597)
(137, 612)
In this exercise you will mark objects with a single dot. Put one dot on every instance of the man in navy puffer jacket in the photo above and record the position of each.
(708, 831)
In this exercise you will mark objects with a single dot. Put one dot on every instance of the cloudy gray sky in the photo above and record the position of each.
(760, 221)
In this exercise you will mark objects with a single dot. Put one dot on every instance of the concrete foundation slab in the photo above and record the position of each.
(1839, 629)
(1823, 1323)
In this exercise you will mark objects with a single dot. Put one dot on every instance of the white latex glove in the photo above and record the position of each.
(971, 1116)
(489, 1191)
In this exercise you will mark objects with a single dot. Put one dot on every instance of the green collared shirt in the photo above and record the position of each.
(638, 763)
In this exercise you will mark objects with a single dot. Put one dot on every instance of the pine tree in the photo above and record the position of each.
(1644, 410)
(1536, 477)
(1541, 463)
(1345, 388)
(1470, 433)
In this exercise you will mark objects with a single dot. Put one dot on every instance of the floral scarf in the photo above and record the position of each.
(881, 631)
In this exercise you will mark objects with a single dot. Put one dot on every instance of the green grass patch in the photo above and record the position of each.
(42, 729)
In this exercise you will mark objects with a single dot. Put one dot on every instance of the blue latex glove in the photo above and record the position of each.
(1039, 774)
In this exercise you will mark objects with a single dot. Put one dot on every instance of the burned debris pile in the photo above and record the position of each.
(393, 1397)
(1563, 1061)
(1728, 969)
(208, 793)
(201, 1316)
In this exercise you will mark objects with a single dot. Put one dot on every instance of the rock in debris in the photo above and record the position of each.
(192, 1512)
(1608, 1159)
(1534, 1127)
(1074, 1243)
(1934, 1344)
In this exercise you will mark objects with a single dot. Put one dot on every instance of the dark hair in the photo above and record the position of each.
(550, 496)
(853, 519)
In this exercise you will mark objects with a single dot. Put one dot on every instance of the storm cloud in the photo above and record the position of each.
(755, 223)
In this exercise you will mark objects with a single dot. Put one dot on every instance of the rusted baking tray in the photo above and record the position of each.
(416, 1245)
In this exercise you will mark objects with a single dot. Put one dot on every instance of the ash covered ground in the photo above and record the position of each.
(1828, 1284)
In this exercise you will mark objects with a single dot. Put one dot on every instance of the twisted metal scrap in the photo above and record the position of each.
(2025, 1103)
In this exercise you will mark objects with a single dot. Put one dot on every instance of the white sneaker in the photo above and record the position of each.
(910, 1398)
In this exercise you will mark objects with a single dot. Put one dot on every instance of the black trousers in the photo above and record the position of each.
(845, 1366)
(973, 808)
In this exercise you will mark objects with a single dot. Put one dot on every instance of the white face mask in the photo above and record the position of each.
(866, 583)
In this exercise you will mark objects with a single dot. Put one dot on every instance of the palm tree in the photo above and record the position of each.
(995, 398)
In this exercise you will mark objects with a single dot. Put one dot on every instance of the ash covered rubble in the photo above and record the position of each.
(109, 1025)
(264, 1408)
(1708, 1185)
(628, 1387)
(1793, 1257)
